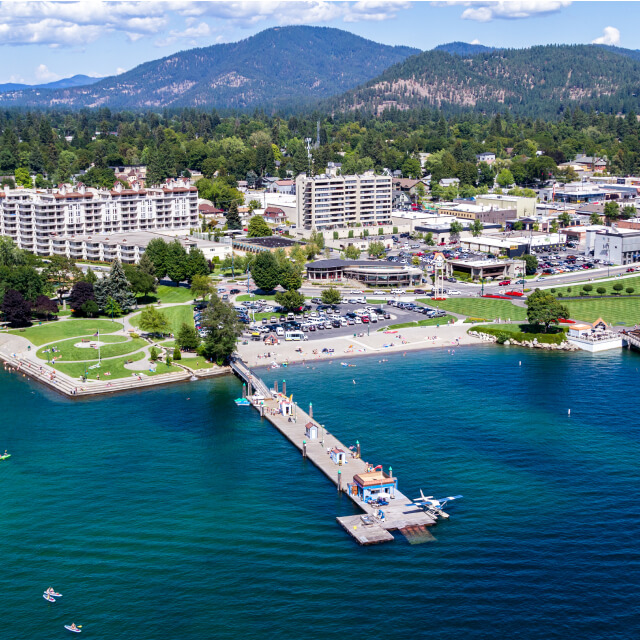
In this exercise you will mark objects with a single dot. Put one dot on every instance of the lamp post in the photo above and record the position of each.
(322, 440)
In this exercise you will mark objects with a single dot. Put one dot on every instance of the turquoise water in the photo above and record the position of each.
(172, 513)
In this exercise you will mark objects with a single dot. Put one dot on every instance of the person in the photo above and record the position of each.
(73, 626)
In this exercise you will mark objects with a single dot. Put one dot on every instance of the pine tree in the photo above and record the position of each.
(115, 287)
(233, 217)
(146, 265)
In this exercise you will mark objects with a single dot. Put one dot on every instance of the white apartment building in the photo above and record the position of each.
(37, 219)
(332, 202)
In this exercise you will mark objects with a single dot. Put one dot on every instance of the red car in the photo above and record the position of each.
(504, 283)
(364, 319)
(630, 270)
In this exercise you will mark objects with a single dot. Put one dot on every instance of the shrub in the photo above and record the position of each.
(584, 293)
(167, 360)
(336, 235)
(134, 335)
(588, 288)
(177, 355)
(618, 287)
(601, 290)
(395, 229)
(502, 337)
(629, 290)
(153, 354)
(553, 290)
(560, 294)
(380, 231)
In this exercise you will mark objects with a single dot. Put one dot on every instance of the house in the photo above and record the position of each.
(591, 163)
(311, 431)
(205, 209)
(275, 215)
(486, 156)
(449, 182)
(283, 186)
(373, 484)
(338, 456)
(408, 185)
(400, 200)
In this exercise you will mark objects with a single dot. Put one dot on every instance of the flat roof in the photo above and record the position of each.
(372, 478)
(271, 242)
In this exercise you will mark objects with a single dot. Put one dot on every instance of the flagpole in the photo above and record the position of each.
(99, 359)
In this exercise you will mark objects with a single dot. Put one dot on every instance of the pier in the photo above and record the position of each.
(399, 515)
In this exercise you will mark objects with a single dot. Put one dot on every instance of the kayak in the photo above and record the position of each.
(5, 456)
(48, 597)
(70, 628)
(55, 594)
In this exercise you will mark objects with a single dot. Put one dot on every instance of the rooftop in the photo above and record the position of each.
(372, 478)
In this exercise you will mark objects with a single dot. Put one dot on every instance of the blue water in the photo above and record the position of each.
(172, 513)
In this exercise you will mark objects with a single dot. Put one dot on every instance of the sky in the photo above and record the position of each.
(45, 41)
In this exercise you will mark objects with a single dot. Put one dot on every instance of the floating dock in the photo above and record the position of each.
(399, 515)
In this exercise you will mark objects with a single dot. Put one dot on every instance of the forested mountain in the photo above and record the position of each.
(463, 49)
(64, 83)
(539, 81)
(277, 68)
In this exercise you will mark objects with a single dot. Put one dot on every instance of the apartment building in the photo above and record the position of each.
(333, 202)
(37, 219)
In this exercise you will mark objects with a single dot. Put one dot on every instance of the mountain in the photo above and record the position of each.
(538, 81)
(280, 67)
(630, 53)
(75, 81)
(463, 49)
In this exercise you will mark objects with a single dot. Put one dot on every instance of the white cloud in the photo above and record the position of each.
(475, 41)
(610, 35)
(190, 34)
(120, 70)
(483, 11)
(43, 74)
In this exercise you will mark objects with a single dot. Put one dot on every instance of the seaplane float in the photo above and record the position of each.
(434, 506)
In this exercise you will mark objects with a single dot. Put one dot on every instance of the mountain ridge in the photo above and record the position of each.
(78, 80)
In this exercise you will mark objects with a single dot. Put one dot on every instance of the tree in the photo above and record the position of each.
(200, 286)
(612, 211)
(177, 261)
(428, 239)
(90, 276)
(44, 307)
(233, 217)
(82, 292)
(476, 228)
(176, 354)
(618, 287)
(156, 253)
(222, 328)
(554, 226)
(352, 252)
(154, 321)
(153, 354)
(298, 256)
(594, 218)
(265, 271)
(17, 310)
(23, 178)
(290, 300)
(629, 290)
(376, 249)
(258, 228)
(196, 264)
(187, 338)
(146, 264)
(112, 308)
(565, 219)
(530, 264)
(411, 168)
(90, 309)
(543, 308)
(253, 205)
(601, 291)
(455, 230)
(587, 288)
(628, 212)
(140, 281)
(62, 271)
(290, 277)
(115, 286)
(505, 178)
(317, 238)
(330, 296)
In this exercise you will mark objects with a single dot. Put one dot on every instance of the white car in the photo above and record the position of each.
(355, 291)
(357, 320)
(269, 309)
(454, 292)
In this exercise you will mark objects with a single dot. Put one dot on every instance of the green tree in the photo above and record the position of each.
(476, 228)
(629, 290)
(187, 337)
(290, 300)
(290, 277)
(505, 178)
(428, 239)
(90, 309)
(376, 249)
(152, 320)
(330, 296)
(411, 168)
(612, 211)
(352, 252)
(601, 291)
(112, 308)
(222, 328)
(628, 212)
(565, 219)
(530, 264)
(153, 354)
(23, 177)
(90, 276)
(618, 287)
(156, 253)
(140, 282)
(233, 217)
(177, 355)
(298, 256)
(544, 309)
(317, 238)
(587, 288)
(594, 218)
(196, 264)
(201, 286)
(177, 261)
(258, 228)
(253, 205)
(455, 230)
(265, 271)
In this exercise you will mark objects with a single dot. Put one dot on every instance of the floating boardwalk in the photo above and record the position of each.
(400, 514)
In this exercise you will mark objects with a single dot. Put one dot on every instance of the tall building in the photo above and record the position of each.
(37, 219)
(331, 202)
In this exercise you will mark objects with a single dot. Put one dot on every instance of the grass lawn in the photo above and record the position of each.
(479, 307)
(175, 315)
(524, 332)
(119, 346)
(114, 367)
(60, 330)
(611, 310)
(195, 363)
(167, 295)
(427, 322)
(608, 285)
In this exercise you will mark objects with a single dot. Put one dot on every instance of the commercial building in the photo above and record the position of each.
(373, 485)
(370, 272)
(35, 218)
(524, 207)
(620, 246)
(514, 246)
(259, 245)
(488, 269)
(330, 202)
(482, 212)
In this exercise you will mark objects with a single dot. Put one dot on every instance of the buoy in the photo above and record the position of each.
(520, 363)
(569, 411)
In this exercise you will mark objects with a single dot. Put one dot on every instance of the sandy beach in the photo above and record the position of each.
(257, 354)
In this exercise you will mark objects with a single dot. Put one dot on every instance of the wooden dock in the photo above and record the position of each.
(400, 514)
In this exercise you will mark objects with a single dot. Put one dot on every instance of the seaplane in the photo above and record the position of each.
(434, 506)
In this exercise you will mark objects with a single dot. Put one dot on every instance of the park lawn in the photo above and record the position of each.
(69, 353)
(62, 329)
(175, 315)
(195, 363)
(524, 332)
(479, 307)
(427, 322)
(114, 367)
(622, 311)
(633, 282)
(167, 295)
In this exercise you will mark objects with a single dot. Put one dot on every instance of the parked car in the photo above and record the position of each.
(504, 283)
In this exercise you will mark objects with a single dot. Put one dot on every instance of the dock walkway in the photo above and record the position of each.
(401, 514)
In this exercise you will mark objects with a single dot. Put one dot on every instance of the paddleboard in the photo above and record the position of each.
(68, 626)
(54, 594)
(4, 457)
(49, 598)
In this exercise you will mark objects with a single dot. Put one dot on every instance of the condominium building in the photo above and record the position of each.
(331, 202)
(38, 219)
